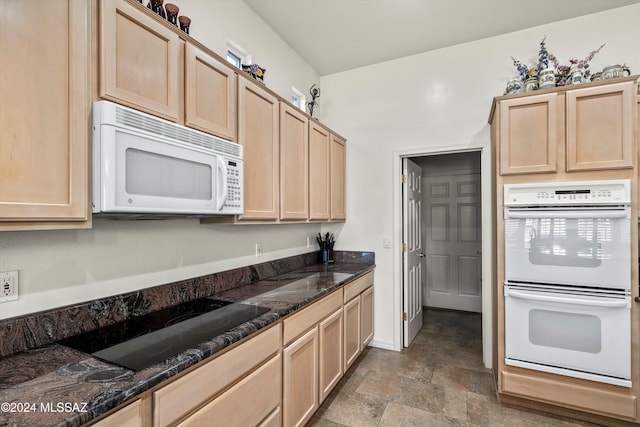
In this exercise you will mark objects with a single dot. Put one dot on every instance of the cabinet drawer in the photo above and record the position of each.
(248, 403)
(200, 385)
(300, 322)
(132, 415)
(357, 286)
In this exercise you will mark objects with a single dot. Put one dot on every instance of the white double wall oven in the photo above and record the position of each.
(567, 289)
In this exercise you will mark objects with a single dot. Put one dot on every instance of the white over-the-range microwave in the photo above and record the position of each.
(144, 166)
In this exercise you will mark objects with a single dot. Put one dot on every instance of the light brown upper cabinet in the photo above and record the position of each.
(529, 134)
(326, 175)
(294, 154)
(319, 172)
(45, 114)
(586, 127)
(258, 125)
(338, 182)
(140, 60)
(145, 64)
(210, 94)
(600, 127)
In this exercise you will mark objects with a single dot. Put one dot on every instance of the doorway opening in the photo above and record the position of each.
(445, 223)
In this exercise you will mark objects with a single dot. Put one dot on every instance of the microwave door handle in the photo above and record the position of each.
(564, 300)
(587, 214)
(221, 196)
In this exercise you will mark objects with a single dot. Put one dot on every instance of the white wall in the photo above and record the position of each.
(65, 267)
(435, 101)
(214, 22)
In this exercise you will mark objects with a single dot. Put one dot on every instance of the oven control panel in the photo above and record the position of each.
(568, 193)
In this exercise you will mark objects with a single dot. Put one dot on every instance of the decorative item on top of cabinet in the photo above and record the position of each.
(139, 60)
(255, 71)
(44, 137)
(575, 73)
(315, 94)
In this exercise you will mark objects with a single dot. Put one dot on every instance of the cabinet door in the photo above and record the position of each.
(247, 403)
(300, 379)
(338, 182)
(529, 134)
(601, 127)
(319, 182)
(294, 162)
(351, 331)
(210, 94)
(133, 415)
(44, 114)
(258, 121)
(139, 60)
(366, 316)
(330, 358)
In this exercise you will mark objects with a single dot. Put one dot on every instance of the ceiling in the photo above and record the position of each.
(338, 35)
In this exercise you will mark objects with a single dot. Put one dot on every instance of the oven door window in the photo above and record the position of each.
(580, 251)
(579, 332)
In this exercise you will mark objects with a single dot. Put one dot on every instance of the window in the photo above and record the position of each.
(234, 59)
(236, 55)
(298, 99)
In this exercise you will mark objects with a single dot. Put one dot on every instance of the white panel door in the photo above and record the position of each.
(412, 249)
(453, 242)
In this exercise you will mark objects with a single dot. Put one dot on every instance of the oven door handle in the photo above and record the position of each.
(564, 300)
(570, 214)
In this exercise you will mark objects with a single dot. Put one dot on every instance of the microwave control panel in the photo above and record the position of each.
(234, 187)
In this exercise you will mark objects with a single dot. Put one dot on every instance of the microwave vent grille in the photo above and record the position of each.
(176, 132)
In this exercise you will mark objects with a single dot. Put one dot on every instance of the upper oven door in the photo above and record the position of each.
(571, 246)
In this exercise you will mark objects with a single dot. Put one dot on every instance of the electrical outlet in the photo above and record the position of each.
(8, 285)
(258, 249)
(308, 241)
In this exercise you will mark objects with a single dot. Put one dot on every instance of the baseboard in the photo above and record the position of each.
(385, 345)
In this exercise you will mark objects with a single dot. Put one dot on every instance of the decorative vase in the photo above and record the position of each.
(531, 84)
(514, 85)
(576, 76)
(547, 78)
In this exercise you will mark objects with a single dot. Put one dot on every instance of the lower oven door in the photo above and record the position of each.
(578, 333)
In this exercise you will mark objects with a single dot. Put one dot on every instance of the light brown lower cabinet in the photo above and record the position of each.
(312, 358)
(358, 317)
(254, 400)
(225, 383)
(132, 415)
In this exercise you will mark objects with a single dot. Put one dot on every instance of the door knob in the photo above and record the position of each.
(421, 255)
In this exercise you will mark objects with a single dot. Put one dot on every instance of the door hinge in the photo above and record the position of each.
(404, 316)
(404, 247)
(404, 179)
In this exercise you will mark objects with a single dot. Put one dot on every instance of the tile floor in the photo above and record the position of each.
(439, 380)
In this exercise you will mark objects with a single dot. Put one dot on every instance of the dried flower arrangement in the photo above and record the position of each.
(562, 71)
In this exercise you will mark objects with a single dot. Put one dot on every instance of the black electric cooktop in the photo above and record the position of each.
(142, 341)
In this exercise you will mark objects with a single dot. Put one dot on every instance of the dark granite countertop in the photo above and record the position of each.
(58, 386)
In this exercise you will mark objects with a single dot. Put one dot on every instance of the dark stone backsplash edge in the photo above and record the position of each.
(38, 329)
